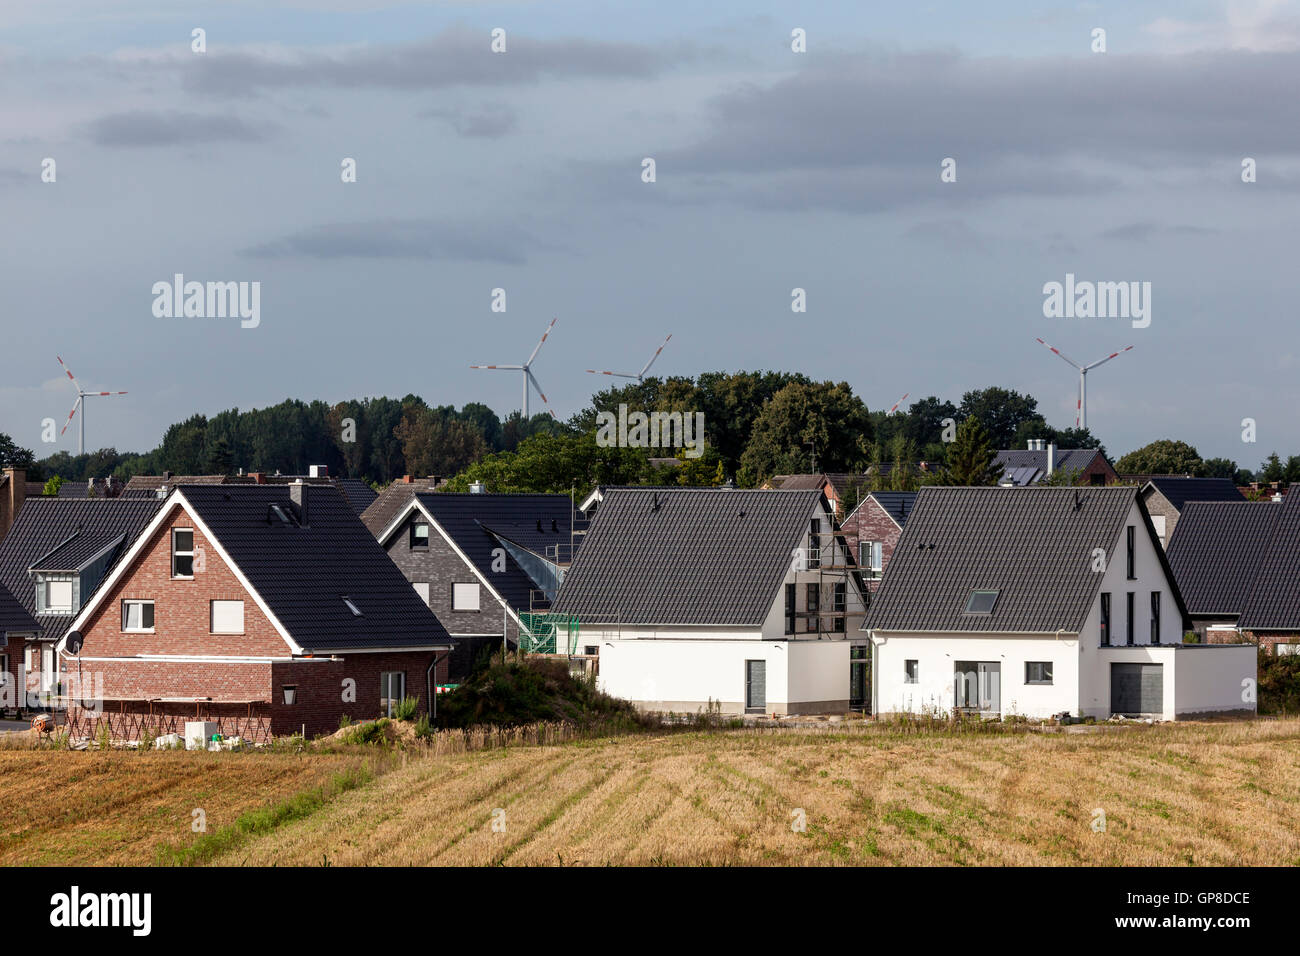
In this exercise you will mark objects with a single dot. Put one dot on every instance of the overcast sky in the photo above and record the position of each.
(775, 170)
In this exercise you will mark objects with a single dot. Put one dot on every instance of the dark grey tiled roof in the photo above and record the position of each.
(1032, 545)
(79, 551)
(704, 556)
(1216, 551)
(304, 572)
(390, 502)
(1179, 491)
(1274, 601)
(359, 494)
(899, 504)
(13, 616)
(1025, 462)
(551, 541)
(45, 523)
(467, 517)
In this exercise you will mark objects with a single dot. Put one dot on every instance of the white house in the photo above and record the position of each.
(1042, 600)
(746, 599)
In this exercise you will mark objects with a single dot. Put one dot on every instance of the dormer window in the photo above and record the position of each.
(351, 605)
(419, 534)
(55, 595)
(182, 552)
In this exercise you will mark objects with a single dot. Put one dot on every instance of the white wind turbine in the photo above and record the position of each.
(528, 374)
(1081, 416)
(639, 376)
(82, 395)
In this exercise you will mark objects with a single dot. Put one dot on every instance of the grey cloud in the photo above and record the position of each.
(403, 239)
(456, 58)
(490, 121)
(151, 128)
(1141, 231)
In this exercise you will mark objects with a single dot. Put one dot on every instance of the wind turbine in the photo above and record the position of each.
(82, 395)
(1081, 417)
(528, 374)
(639, 376)
(897, 403)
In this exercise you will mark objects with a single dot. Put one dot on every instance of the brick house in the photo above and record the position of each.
(17, 628)
(1040, 460)
(873, 530)
(268, 609)
(841, 489)
(52, 561)
(480, 561)
(1166, 496)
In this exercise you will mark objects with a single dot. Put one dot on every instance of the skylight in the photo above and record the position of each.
(351, 606)
(981, 602)
(279, 513)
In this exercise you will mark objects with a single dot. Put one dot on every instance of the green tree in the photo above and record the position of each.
(1001, 411)
(972, 457)
(52, 486)
(800, 419)
(12, 455)
(1163, 457)
(1219, 468)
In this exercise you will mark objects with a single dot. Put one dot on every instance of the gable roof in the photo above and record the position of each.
(690, 556)
(13, 616)
(1179, 491)
(379, 514)
(47, 525)
(1216, 552)
(1274, 601)
(359, 494)
(469, 519)
(1027, 466)
(1032, 545)
(897, 504)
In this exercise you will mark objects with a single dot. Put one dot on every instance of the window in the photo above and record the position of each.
(1155, 617)
(791, 592)
(1128, 618)
(290, 692)
(1159, 522)
(58, 597)
(1105, 620)
(871, 557)
(815, 546)
(137, 616)
(419, 534)
(839, 602)
(351, 605)
(182, 553)
(1038, 672)
(911, 672)
(281, 515)
(812, 595)
(464, 597)
(392, 688)
(591, 650)
(1131, 547)
(981, 602)
(226, 617)
(422, 589)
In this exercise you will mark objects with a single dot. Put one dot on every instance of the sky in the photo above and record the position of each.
(775, 170)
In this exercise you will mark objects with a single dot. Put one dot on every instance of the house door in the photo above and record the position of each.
(858, 677)
(755, 687)
(1137, 689)
(977, 687)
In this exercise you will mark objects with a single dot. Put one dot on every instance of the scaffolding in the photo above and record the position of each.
(545, 632)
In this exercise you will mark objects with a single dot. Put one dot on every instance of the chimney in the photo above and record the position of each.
(478, 488)
(166, 476)
(1051, 459)
(406, 479)
(11, 497)
(299, 496)
(259, 477)
(318, 471)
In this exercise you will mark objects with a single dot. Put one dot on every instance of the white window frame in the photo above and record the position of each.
(182, 554)
(915, 676)
(50, 608)
(478, 597)
(212, 615)
(422, 589)
(869, 564)
(388, 703)
(1051, 673)
(126, 602)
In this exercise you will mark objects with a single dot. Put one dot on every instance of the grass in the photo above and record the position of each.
(1223, 793)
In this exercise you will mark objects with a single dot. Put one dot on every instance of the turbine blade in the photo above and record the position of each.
(619, 374)
(652, 359)
(1059, 353)
(68, 370)
(897, 403)
(509, 368)
(1107, 358)
(75, 406)
(536, 386)
(540, 344)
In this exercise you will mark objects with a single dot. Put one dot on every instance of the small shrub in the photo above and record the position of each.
(1191, 637)
(423, 727)
(345, 721)
(406, 708)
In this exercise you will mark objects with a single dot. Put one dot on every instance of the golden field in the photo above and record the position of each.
(1186, 794)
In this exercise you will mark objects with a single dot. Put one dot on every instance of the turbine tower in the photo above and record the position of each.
(639, 376)
(526, 368)
(82, 395)
(1081, 416)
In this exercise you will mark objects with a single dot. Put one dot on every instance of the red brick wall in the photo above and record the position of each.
(181, 608)
(14, 696)
(319, 700)
(1270, 639)
(872, 523)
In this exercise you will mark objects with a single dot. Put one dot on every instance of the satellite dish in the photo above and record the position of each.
(74, 642)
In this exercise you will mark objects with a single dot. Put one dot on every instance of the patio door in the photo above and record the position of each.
(977, 687)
